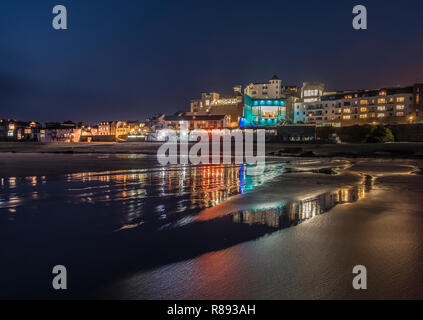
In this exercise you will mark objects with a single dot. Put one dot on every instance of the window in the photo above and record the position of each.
(400, 99)
(363, 109)
(380, 115)
(347, 110)
(363, 116)
(381, 108)
(400, 107)
(381, 100)
(364, 102)
(400, 114)
(346, 117)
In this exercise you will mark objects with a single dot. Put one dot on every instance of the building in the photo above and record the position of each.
(60, 132)
(345, 108)
(263, 112)
(192, 122)
(212, 104)
(107, 128)
(156, 122)
(270, 90)
(312, 91)
(12, 130)
(269, 104)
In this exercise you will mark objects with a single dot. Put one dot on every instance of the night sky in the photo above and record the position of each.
(130, 59)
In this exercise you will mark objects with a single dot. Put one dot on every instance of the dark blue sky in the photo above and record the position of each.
(128, 59)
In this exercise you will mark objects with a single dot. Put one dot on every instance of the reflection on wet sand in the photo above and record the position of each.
(153, 211)
(293, 213)
(155, 196)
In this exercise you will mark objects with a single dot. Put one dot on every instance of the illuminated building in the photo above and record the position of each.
(268, 104)
(270, 90)
(263, 112)
(312, 91)
(213, 104)
(345, 108)
(196, 122)
(60, 132)
(12, 130)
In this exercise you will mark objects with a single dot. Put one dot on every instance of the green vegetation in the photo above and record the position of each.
(380, 134)
(361, 134)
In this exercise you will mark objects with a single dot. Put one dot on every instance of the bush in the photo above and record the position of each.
(380, 134)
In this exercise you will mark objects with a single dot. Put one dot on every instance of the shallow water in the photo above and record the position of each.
(111, 226)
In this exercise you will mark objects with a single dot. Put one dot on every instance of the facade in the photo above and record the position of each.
(263, 112)
(269, 104)
(270, 90)
(383, 106)
(60, 132)
(213, 104)
(12, 130)
(312, 91)
(107, 128)
(193, 122)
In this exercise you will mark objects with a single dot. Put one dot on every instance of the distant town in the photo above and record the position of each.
(292, 112)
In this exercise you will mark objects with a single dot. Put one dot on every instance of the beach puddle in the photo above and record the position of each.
(290, 214)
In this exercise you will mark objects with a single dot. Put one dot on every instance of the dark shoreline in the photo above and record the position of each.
(396, 149)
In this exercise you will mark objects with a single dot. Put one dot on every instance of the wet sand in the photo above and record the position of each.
(204, 252)
(314, 260)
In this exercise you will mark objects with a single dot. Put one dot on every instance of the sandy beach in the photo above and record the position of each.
(294, 232)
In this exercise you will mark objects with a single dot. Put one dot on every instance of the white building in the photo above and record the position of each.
(270, 90)
(392, 105)
(312, 91)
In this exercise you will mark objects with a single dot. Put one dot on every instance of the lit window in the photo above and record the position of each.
(400, 114)
(363, 109)
(381, 108)
(363, 116)
(346, 117)
(400, 99)
(364, 102)
(347, 110)
(380, 115)
(381, 100)
(400, 107)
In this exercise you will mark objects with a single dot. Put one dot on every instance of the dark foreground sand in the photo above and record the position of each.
(314, 260)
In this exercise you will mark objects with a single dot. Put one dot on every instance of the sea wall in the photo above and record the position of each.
(401, 132)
